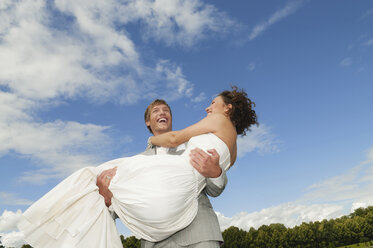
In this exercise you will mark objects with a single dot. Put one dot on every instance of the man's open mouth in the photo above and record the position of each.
(162, 120)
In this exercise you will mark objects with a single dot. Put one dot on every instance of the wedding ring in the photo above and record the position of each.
(108, 177)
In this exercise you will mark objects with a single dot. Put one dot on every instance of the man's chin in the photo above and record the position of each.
(163, 129)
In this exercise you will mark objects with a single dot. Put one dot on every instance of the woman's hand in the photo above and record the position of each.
(103, 183)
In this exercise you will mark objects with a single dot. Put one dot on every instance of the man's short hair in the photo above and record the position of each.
(149, 108)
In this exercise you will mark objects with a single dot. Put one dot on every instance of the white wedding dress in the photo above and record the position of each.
(154, 196)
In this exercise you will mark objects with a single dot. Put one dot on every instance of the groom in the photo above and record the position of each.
(204, 231)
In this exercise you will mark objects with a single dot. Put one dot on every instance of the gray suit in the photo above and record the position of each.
(205, 226)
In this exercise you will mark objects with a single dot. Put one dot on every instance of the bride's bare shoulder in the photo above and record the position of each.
(222, 126)
(217, 118)
(221, 122)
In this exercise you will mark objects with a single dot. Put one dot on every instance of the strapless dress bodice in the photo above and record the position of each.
(206, 142)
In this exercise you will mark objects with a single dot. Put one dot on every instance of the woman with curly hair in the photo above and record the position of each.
(154, 196)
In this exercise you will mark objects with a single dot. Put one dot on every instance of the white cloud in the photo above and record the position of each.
(14, 108)
(12, 239)
(79, 52)
(258, 139)
(289, 214)
(9, 220)
(289, 8)
(176, 81)
(42, 62)
(369, 154)
(180, 22)
(11, 199)
(357, 205)
(367, 14)
(351, 190)
(176, 21)
(369, 42)
(251, 66)
(328, 199)
(4, 4)
(201, 97)
(56, 51)
(354, 186)
(346, 62)
(58, 147)
(61, 147)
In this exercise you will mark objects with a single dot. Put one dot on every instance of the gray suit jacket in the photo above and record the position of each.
(205, 225)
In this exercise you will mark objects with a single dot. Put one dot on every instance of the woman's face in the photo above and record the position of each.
(218, 106)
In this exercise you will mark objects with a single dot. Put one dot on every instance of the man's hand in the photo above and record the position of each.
(103, 182)
(205, 164)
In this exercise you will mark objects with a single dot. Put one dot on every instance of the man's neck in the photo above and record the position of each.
(159, 133)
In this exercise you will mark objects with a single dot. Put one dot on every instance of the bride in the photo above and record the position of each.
(154, 196)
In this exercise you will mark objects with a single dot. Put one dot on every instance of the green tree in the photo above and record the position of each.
(276, 232)
(130, 242)
(368, 227)
(343, 231)
(234, 237)
(250, 237)
(263, 237)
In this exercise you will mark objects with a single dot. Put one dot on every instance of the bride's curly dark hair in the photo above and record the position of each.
(242, 114)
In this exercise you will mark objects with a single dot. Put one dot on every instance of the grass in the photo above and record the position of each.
(368, 244)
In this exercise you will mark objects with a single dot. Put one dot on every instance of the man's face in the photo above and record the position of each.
(160, 120)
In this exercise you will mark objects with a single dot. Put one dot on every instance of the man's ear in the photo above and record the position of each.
(147, 123)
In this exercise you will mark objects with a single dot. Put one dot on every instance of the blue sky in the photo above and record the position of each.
(76, 77)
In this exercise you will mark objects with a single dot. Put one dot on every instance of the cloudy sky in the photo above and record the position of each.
(76, 77)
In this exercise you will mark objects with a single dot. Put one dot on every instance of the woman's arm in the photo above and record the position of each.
(209, 124)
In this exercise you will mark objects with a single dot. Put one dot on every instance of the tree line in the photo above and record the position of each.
(354, 228)
(346, 230)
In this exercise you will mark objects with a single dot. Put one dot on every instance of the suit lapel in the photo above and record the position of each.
(175, 151)
(172, 150)
(149, 151)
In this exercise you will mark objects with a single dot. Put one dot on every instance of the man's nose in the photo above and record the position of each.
(162, 112)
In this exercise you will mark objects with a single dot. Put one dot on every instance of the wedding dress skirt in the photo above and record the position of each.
(154, 196)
